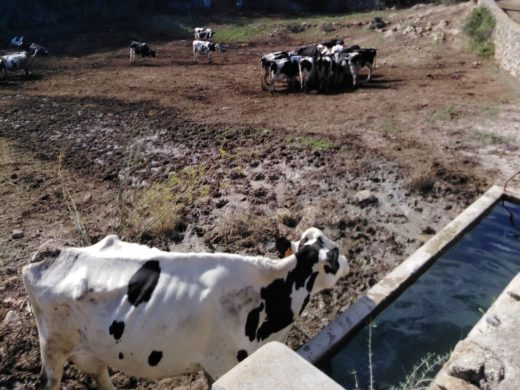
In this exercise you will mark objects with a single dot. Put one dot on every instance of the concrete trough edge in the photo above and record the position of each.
(333, 337)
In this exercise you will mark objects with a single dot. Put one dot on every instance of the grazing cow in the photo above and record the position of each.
(325, 68)
(284, 69)
(157, 314)
(140, 48)
(265, 64)
(36, 50)
(307, 70)
(205, 47)
(17, 61)
(203, 34)
(360, 59)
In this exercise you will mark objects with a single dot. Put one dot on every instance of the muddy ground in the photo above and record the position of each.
(196, 157)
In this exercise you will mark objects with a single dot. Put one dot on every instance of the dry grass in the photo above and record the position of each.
(243, 229)
(158, 210)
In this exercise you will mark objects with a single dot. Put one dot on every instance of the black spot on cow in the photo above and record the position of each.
(242, 354)
(277, 296)
(154, 358)
(116, 329)
(143, 282)
(283, 246)
(121, 356)
(289, 68)
(306, 65)
(333, 263)
(253, 318)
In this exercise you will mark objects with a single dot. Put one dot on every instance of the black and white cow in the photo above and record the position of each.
(360, 59)
(307, 70)
(205, 47)
(203, 34)
(284, 69)
(157, 314)
(265, 65)
(36, 50)
(326, 68)
(17, 61)
(140, 48)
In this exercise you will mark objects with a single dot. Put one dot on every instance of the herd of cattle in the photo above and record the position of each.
(325, 67)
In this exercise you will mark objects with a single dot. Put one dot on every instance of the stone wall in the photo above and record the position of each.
(507, 39)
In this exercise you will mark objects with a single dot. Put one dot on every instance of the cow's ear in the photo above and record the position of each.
(283, 245)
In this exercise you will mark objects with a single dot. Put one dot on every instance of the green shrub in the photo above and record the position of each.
(479, 27)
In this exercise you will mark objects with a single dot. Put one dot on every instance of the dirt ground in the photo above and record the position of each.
(196, 157)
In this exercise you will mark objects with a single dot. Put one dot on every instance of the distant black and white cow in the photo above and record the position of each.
(157, 314)
(205, 47)
(203, 34)
(140, 48)
(284, 69)
(307, 70)
(265, 64)
(17, 61)
(326, 73)
(36, 50)
(360, 59)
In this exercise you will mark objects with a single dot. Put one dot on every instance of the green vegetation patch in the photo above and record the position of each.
(490, 138)
(446, 113)
(479, 27)
(313, 143)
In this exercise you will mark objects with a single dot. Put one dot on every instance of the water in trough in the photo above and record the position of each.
(440, 308)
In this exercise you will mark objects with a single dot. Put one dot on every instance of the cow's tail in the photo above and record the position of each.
(300, 71)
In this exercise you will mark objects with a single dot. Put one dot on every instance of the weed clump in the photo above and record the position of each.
(422, 184)
(479, 27)
(159, 210)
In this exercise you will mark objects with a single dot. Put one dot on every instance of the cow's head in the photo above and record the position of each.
(328, 262)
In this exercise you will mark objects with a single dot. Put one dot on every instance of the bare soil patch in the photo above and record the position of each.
(433, 130)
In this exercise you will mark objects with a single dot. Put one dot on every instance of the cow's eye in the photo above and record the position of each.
(303, 241)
